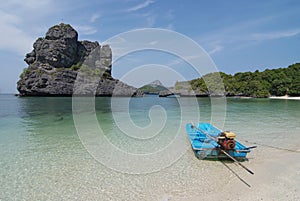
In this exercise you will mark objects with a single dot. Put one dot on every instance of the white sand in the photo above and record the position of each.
(277, 177)
(285, 97)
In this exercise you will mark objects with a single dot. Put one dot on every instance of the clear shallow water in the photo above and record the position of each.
(42, 157)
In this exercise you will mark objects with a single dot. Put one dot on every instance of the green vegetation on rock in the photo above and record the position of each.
(151, 89)
(95, 72)
(25, 72)
(155, 87)
(276, 82)
(76, 67)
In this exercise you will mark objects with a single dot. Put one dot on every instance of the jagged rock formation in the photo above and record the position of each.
(56, 61)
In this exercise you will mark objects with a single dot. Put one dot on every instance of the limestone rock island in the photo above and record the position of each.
(55, 63)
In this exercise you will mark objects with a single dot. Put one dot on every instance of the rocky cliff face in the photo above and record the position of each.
(57, 59)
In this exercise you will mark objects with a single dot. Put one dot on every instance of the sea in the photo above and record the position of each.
(121, 148)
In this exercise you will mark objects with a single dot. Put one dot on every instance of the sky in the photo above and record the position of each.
(237, 35)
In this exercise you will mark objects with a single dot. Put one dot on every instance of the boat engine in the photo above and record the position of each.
(226, 140)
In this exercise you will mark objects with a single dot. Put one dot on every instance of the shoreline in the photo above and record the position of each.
(285, 97)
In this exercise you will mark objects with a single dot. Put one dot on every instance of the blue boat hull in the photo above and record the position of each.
(205, 147)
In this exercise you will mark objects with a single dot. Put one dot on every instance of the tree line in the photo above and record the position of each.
(274, 82)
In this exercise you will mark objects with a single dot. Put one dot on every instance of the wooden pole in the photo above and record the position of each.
(236, 161)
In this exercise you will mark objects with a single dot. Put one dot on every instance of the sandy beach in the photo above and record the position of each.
(285, 97)
(276, 178)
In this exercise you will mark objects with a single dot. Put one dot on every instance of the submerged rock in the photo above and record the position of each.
(56, 60)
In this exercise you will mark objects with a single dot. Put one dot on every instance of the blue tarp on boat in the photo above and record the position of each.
(206, 147)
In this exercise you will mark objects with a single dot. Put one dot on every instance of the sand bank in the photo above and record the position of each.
(285, 97)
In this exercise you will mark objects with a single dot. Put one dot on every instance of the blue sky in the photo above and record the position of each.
(238, 35)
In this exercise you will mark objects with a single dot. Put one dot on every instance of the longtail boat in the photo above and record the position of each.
(209, 142)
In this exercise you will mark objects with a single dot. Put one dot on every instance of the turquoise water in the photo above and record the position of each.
(42, 157)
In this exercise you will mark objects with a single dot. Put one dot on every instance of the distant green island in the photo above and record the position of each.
(153, 88)
(274, 82)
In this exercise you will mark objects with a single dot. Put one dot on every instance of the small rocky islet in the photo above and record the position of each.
(55, 62)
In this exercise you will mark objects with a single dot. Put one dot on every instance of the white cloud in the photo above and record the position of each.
(140, 6)
(170, 15)
(18, 23)
(149, 18)
(11, 37)
(215, 47)
(150, 21)
(153, 42)
(94, 17)
(175, 62)
(28, 5)
(170, 26)
(275, 35)
(182, 60)
(240, 35)
(85, 30)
